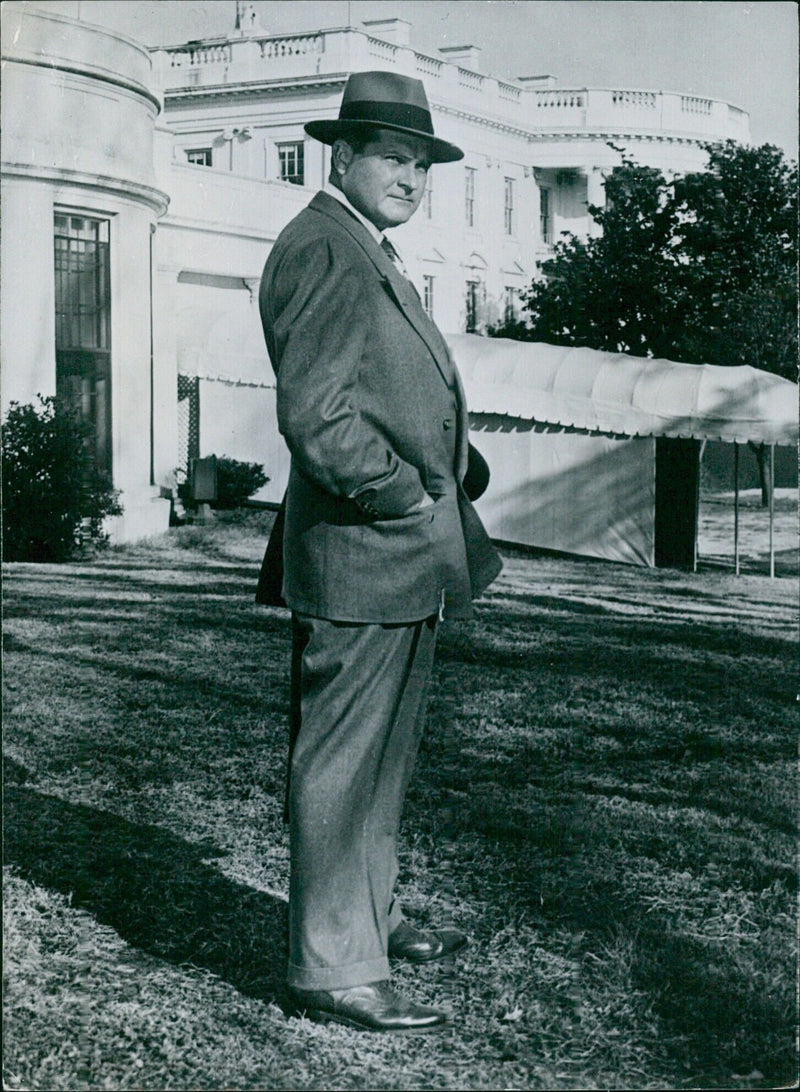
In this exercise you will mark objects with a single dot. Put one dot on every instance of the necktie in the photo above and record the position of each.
(396, 261)
(392, 254)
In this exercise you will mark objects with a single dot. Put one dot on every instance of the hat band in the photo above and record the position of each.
(390, 113)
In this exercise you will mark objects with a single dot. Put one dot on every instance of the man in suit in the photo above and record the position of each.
(380, 541)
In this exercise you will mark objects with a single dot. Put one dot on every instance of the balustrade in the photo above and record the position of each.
(690, 104)
(191, 56)
(428, 66)
(469, 79)
(347, 49)
(635, 100)
(509, 91)
(292, 46)
(559, 100)
(387, 51)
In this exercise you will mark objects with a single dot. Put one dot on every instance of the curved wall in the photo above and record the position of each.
(78, 121)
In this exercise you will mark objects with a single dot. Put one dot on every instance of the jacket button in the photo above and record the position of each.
(447, 423)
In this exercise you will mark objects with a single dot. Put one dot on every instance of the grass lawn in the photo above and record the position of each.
(605, 801)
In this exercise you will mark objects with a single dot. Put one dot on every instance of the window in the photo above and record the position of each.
(472, 306)
(427, 295)
(545, 224)
(428, 199)
(83, 325)
(508, 206)
(201, 157)
(511, 308)
(469, 191)
(290, 159)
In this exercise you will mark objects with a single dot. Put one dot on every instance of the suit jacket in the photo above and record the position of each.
(372, 409)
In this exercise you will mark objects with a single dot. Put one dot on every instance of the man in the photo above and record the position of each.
(379, 540)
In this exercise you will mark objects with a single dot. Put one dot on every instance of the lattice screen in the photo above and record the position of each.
(188, 419)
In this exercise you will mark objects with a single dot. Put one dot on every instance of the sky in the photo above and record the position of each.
(740, 51)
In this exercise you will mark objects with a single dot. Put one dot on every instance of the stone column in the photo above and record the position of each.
(595, 195)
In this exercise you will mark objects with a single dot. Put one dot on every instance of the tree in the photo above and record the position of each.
(739, 245)
(701, 269)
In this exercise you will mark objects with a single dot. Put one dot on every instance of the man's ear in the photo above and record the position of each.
(341, 156)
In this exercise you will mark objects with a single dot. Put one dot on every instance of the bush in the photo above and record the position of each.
(54, 500)
(236, 481)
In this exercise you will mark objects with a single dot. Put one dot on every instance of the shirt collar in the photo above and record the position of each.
(341, 197)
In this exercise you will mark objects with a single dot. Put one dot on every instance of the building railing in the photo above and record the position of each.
(526, 107)
(428, 66)
(559, 100)
(466, 78)
(635, 100)
(387, 51)
(690, 104)
(292, 45)
(194, 55)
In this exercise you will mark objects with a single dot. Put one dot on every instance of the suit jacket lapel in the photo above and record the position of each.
(401, 290)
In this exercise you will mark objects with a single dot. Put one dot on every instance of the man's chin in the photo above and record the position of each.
(398, 213)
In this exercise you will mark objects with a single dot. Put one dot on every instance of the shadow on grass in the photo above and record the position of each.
(157, 891)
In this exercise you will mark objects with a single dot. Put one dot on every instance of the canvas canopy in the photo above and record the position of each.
(621, 395)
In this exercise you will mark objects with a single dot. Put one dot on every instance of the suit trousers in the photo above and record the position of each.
(363, 690)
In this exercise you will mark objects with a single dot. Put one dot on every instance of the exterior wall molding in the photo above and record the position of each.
(651, 137)
(89, 72)
(255, 87)
(153, 198)
(186, 223)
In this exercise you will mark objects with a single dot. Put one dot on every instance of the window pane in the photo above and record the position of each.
(291, 162)
(545, 226)
(469, 191)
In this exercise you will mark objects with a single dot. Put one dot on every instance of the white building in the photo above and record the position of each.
(162, 177)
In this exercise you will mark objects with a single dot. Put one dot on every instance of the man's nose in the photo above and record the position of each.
(408, 177)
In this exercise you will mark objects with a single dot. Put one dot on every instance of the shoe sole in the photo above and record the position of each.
(319, 1016)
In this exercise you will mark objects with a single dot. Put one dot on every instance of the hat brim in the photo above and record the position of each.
(441, 151)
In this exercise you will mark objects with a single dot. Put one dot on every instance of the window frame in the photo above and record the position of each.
(546, 215)
(508, 205)
(207, 153)
(470, 191)
(297, 176)
(472, 306)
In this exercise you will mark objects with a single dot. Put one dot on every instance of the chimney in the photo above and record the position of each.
(396, 31)
(468, 56)
(537, 83)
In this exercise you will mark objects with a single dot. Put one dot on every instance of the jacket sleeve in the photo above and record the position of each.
(317, 312)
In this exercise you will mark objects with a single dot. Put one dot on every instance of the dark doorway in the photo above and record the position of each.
(677, 502)
(83, 324)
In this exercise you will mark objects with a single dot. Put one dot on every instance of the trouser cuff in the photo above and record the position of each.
(338, 978)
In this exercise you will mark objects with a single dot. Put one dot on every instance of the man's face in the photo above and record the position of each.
(385, 181)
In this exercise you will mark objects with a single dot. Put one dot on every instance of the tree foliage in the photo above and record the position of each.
(700, 268)
(54, 500)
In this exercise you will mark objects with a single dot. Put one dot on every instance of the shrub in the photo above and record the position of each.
(54, 500)
(236, 481)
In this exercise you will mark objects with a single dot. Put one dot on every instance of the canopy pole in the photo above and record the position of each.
(772, 511)
(735, 508)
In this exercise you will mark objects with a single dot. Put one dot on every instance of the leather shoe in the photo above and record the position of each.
(421, 946)
(374, 1007)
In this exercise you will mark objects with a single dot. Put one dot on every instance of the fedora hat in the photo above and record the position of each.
(385, 100)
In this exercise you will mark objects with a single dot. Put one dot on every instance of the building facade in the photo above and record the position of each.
(160, 179)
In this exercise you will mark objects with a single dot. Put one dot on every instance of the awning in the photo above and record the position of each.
(618, 394)
(223, 346)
